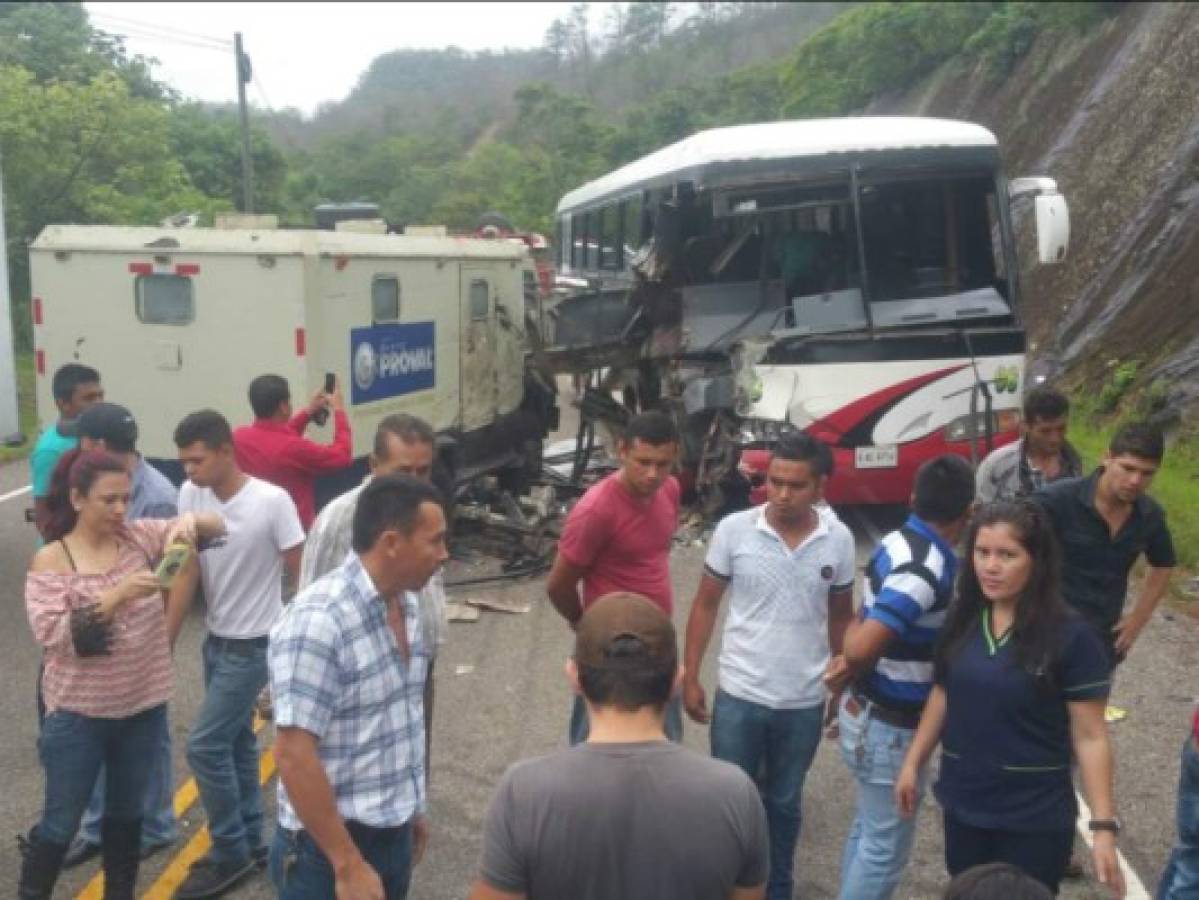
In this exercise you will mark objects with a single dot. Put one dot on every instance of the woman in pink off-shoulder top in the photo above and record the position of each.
(98, 611)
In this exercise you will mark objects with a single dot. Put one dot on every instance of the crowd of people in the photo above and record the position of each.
(991, 624)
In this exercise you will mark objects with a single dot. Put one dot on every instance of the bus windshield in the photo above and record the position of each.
(932, 246)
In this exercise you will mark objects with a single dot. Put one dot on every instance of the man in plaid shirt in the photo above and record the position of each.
(348, 663)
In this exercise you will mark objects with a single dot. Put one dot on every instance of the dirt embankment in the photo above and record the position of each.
(1113, 115)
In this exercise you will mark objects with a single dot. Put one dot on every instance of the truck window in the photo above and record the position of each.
(385, 298)
(162, 299)
(480, 299)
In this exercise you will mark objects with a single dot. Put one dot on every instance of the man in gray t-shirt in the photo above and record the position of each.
(626, 814)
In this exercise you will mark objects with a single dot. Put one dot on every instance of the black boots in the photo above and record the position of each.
(120, 850)
(40, 864)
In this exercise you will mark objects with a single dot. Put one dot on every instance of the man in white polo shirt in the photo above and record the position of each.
(244, 591)
(789, 566)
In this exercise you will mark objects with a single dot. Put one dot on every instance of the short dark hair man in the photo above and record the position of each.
(1105, 522)
(1041, 456)
(351, 768)
(618, 537)
(627, 814)
(274, 448)
(243, 588)
(888, 655)
(788, 567)
(75, 388)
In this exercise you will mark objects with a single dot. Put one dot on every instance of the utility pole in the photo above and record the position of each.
(244, 74)
(10, 423)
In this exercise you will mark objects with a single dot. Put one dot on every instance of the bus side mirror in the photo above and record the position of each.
(1053, 227)
(1052, 215)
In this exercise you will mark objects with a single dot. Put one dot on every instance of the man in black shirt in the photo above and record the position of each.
(1105, 522)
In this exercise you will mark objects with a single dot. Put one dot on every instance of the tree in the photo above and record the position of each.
(207, 142)
(56, 42)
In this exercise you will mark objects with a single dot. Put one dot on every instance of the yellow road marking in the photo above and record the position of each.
(185, 798)
(176, 871)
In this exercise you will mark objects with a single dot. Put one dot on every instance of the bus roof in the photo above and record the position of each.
(146, 241)
(764, 142)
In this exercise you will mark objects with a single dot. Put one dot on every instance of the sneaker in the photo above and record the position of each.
(208, 877)
(81, 850)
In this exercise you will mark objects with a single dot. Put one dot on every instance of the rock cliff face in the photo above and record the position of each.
(1113, 115)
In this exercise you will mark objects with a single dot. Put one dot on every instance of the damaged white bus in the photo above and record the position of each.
(855, 278)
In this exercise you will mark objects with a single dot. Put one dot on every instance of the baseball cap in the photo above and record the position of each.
(111, 423)
(625, 630)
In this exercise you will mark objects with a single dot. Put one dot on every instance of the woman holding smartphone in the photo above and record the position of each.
(1019, 683)
(96, 607)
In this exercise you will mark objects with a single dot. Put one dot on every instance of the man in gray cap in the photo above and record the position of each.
(111, 427)
(628, 813)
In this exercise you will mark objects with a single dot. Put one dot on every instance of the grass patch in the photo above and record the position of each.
(26, 409)
(1176, 486)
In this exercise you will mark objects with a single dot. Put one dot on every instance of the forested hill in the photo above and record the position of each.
(638, 50)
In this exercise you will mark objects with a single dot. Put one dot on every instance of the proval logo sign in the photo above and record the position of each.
(391, 360)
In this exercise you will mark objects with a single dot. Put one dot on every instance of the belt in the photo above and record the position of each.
(359, 831)
(856, 703)
(256, 642)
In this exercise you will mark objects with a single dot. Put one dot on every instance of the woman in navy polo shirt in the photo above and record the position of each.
(1019, 681)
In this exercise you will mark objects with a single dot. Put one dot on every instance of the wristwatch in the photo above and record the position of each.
(1113, 825)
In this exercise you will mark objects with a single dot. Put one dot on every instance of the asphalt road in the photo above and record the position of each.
(502, 697)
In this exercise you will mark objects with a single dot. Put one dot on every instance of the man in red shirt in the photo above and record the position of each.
(618, 536)
(274, 447)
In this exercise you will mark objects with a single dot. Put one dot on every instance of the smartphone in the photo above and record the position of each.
(173, 560)
(321, 416)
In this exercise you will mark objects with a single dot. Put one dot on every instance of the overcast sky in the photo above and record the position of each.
(306, 53)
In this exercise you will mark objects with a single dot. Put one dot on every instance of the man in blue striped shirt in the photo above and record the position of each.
(348, 663)
(887, 658)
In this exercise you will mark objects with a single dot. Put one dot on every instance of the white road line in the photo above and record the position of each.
(1134, 887)
(19, 492)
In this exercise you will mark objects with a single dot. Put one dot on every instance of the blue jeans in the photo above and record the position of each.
(580, 727)
(1180, 881)
(158, 811)
(223, 749)
(74, 748)
(775, 747)
(300, 871)
(880, 840)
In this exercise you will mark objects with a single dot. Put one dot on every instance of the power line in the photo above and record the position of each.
(128, 32)
(165, 31)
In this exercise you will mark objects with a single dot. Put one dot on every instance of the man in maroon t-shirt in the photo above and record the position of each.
(617, 538)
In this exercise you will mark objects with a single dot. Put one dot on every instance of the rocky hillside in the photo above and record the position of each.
(1113, 115)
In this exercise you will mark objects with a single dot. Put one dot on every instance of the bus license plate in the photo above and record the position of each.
(881, 456)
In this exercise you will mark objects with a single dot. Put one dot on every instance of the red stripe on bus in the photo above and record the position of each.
(141, 268)
(37, 310)
(301, 342)
(187, 269)
(40, 356)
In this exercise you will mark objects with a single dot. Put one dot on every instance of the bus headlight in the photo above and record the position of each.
(965, 428)
(763, 432)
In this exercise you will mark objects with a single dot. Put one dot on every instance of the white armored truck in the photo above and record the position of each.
(178, 319)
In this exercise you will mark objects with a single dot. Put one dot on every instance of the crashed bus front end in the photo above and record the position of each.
(864, 291)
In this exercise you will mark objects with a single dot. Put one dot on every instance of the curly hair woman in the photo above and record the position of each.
(97, 609)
